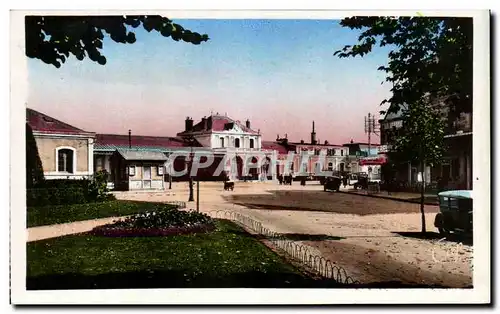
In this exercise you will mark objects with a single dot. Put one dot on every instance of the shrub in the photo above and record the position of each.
(161, 221)
(67, 191)
(165, 217)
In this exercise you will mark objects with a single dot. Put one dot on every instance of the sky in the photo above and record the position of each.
(279, 74)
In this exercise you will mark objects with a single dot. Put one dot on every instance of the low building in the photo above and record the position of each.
(135, 162)
(138, 169)
(308, 158)
(66, 152)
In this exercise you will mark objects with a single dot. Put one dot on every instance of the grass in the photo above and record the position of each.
(56, 214)
(227, 257)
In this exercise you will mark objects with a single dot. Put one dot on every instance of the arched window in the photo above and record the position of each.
(66, 160)
(236, 142)
(251, 143)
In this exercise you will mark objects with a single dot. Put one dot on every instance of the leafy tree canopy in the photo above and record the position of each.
(422, 136)
(431, 57)
(53, 39)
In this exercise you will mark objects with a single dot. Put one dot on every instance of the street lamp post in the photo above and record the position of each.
(191, 183)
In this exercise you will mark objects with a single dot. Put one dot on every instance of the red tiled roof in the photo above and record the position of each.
(43, 123)
(141, 141)
(280, 148)
(219, 123)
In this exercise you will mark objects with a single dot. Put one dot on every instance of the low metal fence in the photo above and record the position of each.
(298, 252)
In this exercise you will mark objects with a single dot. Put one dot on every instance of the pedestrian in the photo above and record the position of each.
(344, 180)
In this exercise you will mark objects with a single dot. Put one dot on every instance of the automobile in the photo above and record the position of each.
(332, 183)
(361, 182)
(455, 212)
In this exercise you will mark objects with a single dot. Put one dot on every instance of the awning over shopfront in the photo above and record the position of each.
(142, 155)
(372, 161)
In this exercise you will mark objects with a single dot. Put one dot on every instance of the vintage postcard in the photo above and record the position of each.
(309, 157)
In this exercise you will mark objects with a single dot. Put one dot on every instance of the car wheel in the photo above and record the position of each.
(443, 232)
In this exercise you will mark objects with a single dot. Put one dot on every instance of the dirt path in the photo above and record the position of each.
(53, 231)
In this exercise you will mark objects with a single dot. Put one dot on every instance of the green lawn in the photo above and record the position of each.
(55, 214)
(227, 257)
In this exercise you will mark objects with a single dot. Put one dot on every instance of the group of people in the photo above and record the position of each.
(287, 179)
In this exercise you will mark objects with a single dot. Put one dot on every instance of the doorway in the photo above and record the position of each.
(146, 177)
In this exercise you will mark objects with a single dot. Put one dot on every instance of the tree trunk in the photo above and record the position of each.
(422, 197)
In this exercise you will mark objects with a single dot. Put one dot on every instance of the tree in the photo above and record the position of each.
(421, 141)
(53, 39)
(34, 170)
(431, 57)
(430, 68)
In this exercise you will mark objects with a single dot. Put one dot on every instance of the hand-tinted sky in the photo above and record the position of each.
(280, 74)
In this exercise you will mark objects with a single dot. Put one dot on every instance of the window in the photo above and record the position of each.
(251, 143)
(341, 152)
(330, 166)
(160, 170)
(236, 142)
(99, 163)
(221, 142)
(65, 160)
(131, 171)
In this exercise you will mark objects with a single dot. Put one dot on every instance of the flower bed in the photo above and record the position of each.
(163, 221)
(110, 231)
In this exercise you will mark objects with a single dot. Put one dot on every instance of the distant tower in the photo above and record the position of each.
(313, 135)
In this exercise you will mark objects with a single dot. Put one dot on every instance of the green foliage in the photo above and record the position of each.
(164, 217)
(421, 139)
(67, 191)
(53, 39)
(98, 187)
(431, 57)
(34, 169)
(228, 257)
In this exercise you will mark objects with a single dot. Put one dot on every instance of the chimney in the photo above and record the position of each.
(326, 142)
(301, 141)
(204, 123)
(209, 123)
(129, 138)
(313, 135)
(189, 124)
(248, 124)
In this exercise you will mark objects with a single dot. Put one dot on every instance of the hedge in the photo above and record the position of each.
(66, 191)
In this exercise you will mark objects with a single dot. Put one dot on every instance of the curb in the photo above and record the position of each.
(391, 198)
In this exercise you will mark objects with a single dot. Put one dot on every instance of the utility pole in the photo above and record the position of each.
(371, 126)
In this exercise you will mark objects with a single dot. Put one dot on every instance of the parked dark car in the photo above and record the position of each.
(362, 183)
(332, 184)
(455, 212)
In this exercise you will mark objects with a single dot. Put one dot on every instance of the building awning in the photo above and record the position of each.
(142, 155)
(458, 134)
(373, 161)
